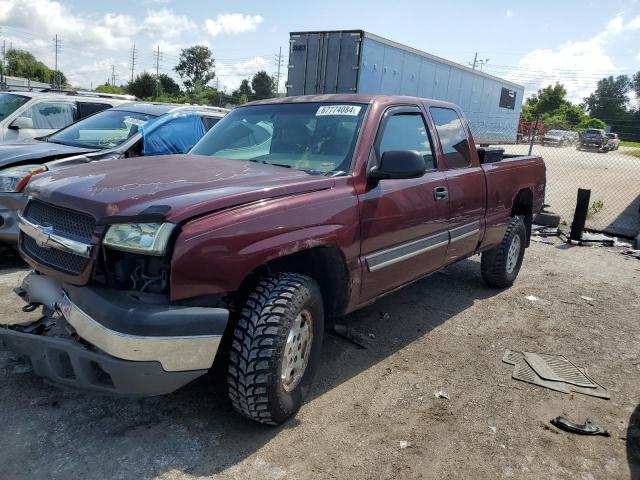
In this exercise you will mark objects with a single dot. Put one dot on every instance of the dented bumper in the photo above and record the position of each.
(116, 343)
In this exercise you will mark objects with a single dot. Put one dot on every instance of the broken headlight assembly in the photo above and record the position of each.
(143, 238)
(14, 179)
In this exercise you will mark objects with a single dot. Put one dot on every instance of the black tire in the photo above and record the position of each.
(547, 219)
(493, 264)
(254, 382)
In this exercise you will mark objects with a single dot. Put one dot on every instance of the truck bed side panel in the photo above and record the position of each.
(505, 180)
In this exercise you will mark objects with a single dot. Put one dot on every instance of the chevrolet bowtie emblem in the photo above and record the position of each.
(42, 236)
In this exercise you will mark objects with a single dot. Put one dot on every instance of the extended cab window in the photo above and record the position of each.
(453, 137)
(407, 131)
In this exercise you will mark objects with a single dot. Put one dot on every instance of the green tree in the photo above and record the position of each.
(549, 99)
(21, 63)
(106, 88)
(635, 86)
(168, 84)
(143, 86)
(243, 93)
(610, 100)
(196, 65)
(263, 85)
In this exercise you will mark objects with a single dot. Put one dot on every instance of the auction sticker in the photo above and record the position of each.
(351, 110)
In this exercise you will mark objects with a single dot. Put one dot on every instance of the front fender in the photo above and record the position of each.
(215, 253)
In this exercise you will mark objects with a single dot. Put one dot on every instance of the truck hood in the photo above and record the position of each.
(177, 187)
(35, 151)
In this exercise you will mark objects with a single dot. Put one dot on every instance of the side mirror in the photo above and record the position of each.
(398, 164)
(21, 123)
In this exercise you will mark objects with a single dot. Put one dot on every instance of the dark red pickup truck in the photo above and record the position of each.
(288, 212)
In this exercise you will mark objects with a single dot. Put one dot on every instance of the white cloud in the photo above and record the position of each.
(232, 23)
(509, 13)
(230, 75)
(165, 24)
(576, 64)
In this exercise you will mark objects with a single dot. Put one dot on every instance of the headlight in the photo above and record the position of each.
(146, 238)
(14, 179)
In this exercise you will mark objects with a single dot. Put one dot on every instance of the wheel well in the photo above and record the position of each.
(326, 265)
(523, 206)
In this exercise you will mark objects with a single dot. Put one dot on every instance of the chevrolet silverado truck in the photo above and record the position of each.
(288, 213)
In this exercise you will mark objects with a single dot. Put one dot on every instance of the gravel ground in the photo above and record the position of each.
(447, 332)
(612, 177)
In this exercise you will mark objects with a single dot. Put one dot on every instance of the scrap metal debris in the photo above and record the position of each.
(554, 372)
(442, 394)
(355, 334)
(632, 253)
(586, 428)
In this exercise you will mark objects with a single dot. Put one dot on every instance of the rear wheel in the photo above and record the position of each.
(501, 264)
(276, 347)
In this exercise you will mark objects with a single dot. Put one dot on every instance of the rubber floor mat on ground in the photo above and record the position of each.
(557, 368)
(524, 372)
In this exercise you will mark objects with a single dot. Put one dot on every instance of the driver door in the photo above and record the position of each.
(404, 223)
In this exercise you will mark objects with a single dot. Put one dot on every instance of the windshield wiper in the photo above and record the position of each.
(264, 162)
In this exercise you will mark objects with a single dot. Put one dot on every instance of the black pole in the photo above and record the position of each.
(580, 215)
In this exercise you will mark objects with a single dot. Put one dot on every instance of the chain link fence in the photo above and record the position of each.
(613, 178)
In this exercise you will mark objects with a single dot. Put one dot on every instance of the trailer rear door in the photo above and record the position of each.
(323, 62)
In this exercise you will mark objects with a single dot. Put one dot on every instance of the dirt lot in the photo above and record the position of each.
(447, 332)
(613, 178)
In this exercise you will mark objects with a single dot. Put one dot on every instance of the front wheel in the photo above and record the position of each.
(276, 347)
(501, 264)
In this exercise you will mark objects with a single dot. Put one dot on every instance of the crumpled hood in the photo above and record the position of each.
(34, 151)
(178, 186)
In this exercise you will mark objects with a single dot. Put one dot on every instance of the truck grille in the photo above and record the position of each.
(63, 261)
(65, 222)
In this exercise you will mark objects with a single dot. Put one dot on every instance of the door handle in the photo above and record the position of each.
(440, 193)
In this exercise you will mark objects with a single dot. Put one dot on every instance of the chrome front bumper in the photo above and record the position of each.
(174, 352)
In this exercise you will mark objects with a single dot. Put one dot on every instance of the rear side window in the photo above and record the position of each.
(86, 109)
(407, 131)
(51, 115)
(453, 137)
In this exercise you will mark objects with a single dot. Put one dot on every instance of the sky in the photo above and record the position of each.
(532, 44)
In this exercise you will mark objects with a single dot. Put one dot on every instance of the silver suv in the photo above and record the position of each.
(26, 115)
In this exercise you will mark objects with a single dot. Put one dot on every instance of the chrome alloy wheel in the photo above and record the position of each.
(297, 351)
(513, 254)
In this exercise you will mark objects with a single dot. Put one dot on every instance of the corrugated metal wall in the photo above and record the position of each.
(388, 69)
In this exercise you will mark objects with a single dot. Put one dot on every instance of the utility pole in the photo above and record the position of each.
(4, 62)
(133, 60)
(113, 75)
(279, 62)
(477, 62)
(156, 56)
(57, 46)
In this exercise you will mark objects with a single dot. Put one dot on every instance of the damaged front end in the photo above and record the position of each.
(100, 340)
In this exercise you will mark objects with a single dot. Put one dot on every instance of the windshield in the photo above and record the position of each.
(318, 138)
(9, 103)
(594, 131)
(554, 133)
(106, 129)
